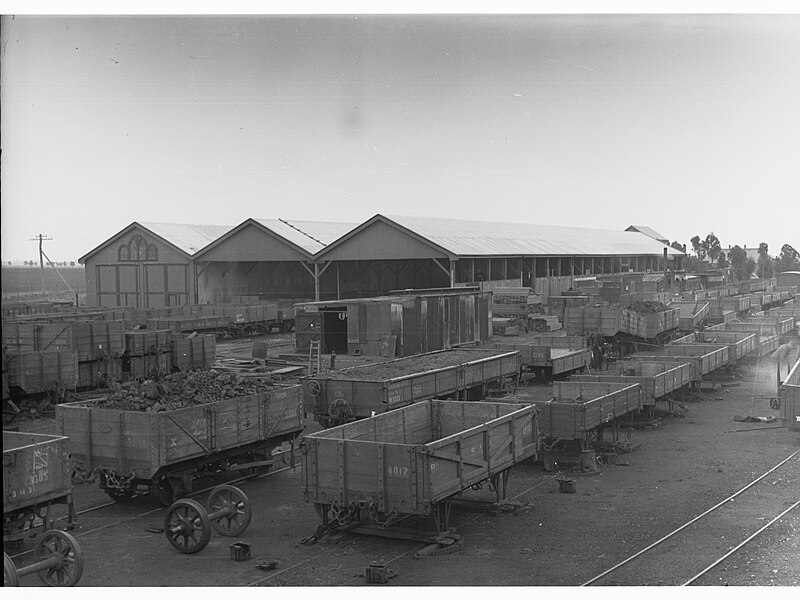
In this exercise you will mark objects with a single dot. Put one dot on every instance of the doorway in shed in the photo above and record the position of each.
(334, 330)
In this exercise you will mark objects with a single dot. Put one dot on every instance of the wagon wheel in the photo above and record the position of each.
(231, 508)
(10, 578)
(775, 403)
(162, 489)
(69, 566)
(187, 526)
(313, 388)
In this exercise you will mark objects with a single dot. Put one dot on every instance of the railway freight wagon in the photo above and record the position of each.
(766, 341)
(578, 410)
(359, 392)
(550, 356)
(790, 399)
(36, 478)
(740, 344)
(692, 314)
(658, 379)
(398, 325)
(414, 460)
(703, 358)
(135, 452)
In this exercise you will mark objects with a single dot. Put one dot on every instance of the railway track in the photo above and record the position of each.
(673, 559)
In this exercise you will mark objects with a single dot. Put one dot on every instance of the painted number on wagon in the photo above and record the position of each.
(397, 471)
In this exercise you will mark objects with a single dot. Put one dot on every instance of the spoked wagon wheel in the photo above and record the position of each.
(229, 510)
(162, 489)
(68, 568)
(187, 526)
(10, 578)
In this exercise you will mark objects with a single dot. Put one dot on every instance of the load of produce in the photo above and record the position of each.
(181, 390)
(647, 306)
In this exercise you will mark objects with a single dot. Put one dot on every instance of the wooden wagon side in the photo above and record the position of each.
(790, 399)
(36, 476)
(134, 449)
(408, 460)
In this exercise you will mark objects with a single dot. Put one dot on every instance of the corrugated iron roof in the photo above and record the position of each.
(312, 236)
(189, 238)
(484, 238)
(648, 231)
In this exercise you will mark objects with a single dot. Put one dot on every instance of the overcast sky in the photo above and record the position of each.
(684, 123)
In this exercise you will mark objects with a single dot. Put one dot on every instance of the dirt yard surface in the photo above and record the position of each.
(693, 459)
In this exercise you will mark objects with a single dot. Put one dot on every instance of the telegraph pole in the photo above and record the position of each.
(41, 238)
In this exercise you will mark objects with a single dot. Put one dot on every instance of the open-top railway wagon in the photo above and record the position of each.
(133, 452)
(658, 379)
(578, 409)
(703, 358)
(360, 392)
(36, 478)
(692, 314)
(414, 460)
(740, 344)
(550, 356)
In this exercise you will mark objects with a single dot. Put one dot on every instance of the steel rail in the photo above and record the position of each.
(687, 524)
(747, 541)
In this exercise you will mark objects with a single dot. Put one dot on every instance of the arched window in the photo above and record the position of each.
(122, 254)
(152, 252)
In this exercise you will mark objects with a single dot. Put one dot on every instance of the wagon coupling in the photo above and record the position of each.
(59, 561)
(187, 524)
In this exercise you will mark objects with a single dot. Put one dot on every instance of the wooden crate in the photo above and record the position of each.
(97, 340)
(98, 373)
(38, 372)
(411, 458)
(197, 352)
(147, 341)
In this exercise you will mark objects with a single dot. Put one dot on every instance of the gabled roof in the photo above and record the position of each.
(422, 239)
(648, 232)
(185, 239)
(303, 249)
(312, 236)
(484, 238)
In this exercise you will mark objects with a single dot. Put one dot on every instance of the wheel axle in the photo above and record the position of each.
(59, 561)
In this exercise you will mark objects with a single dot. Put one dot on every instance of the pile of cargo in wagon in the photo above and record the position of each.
(359, 392)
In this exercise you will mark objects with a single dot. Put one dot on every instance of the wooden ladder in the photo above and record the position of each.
(314, 358)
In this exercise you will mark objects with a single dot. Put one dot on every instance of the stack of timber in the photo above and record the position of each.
(577, 409)
(658, 379)
(542, 323)
(193, 352)
(147, 354)
(514, 302)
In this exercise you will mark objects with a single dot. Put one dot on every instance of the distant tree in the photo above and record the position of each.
(9, 263)
(764, 262)
(722, 262)
(742, 266)
(698, 247)
(72, 263)
(677, 246)
(789, 259)
(713, 247)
